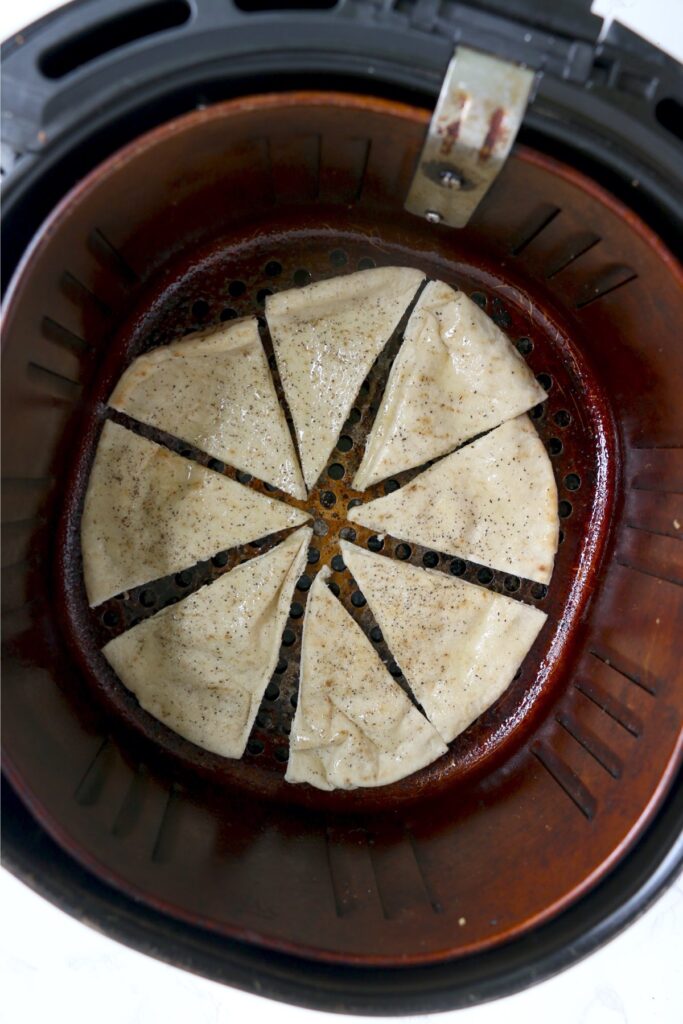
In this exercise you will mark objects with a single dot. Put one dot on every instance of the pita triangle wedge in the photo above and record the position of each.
(326, 338)
(201, 666)
(214, 390)
(149, 512)
(354, 726)
(455, 376)
(458, 645)
(493, 501)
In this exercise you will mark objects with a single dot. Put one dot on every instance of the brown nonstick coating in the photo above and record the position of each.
(192, 225)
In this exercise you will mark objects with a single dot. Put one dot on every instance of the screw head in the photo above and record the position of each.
(450, 179)
(433, 216)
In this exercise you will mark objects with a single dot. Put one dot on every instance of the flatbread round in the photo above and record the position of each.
(214, 390)
(326, 337)
(494, 502)
(354, 726)
(201, 666)
(455, 376)
(458, 645)
(149, 512)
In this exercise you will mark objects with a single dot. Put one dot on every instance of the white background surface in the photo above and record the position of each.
(56, 970)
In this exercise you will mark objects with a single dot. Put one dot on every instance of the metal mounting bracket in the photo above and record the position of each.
(476, 120)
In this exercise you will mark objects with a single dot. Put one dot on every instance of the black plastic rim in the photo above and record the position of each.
(628, 891)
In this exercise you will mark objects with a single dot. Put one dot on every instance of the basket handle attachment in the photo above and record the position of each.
(477, 117)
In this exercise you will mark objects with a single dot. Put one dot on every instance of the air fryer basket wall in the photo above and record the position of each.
(607, 99)
(573, 761)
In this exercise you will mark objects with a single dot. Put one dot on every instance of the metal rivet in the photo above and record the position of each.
(450, 179)
(433, 216)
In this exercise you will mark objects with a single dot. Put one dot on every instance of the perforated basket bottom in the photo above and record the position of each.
(231, 280)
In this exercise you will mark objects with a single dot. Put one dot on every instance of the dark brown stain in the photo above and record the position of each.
(494, 135)
(451, 129)
(450, 134)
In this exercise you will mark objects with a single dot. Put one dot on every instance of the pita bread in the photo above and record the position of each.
(201, 666)
(354, 726)
(326, 337)
(455, 376)
(494, 501)
(215, 391)
(458, 645)
(149, 512)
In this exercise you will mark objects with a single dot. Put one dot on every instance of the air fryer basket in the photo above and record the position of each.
(545, 793)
